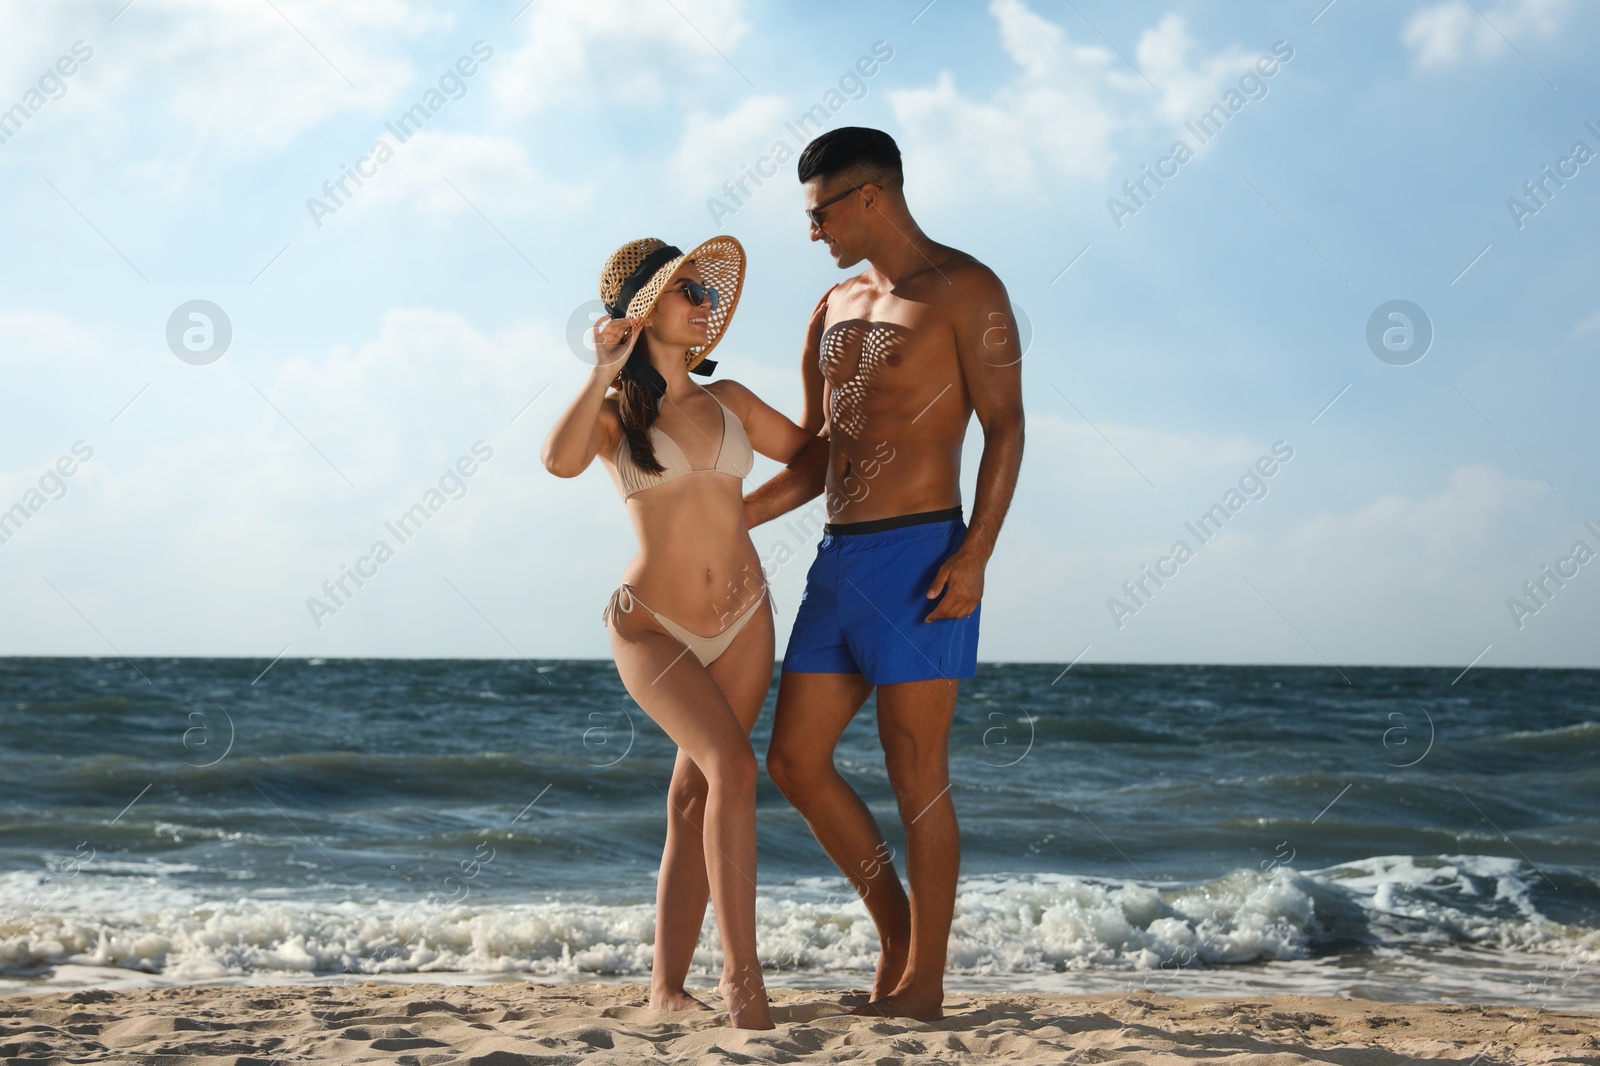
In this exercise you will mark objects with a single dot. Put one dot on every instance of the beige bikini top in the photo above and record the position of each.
(734, 456)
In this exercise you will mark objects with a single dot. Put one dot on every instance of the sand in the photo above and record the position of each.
(515, 1023)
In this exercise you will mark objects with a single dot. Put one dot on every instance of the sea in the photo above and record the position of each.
(1368, 832)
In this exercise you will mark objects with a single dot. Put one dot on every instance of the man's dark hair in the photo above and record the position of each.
(865, 154)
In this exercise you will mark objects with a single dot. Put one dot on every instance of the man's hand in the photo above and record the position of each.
(960, 578)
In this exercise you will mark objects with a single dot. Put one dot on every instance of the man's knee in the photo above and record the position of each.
(912, 757)
(792, 768)
(783, 766)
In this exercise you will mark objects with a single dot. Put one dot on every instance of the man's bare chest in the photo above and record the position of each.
(875, 344)
(881, 363)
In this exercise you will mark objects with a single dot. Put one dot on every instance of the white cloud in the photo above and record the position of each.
(239, 77)
(1186, 89)
(619, 51)
(1404, 579)
(1410, 545)
(951, 141)
(33, 338)
(424, 383)
(493, 172)
(717, 149)
(250, 77)
(1111, 454)
(230, 530)
(1456, 31)
(1397, 579)
(1059, 116)
(426, 380)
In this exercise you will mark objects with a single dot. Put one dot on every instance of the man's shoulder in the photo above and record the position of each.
(951, 273)
(854, 285)
(957, 289)
(841, 298)
(968, 275)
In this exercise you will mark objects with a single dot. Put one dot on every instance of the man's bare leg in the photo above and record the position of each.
(812, 712)
(914, 727)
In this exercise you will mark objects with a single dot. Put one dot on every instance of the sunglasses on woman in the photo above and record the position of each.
(697, 293)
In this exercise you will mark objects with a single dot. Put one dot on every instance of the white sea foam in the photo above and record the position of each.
(1037, 924)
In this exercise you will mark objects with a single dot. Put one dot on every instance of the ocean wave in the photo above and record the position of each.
(103, 778)
(1024, 924)
(1580, 736)
(60, 708)
(1091, 730)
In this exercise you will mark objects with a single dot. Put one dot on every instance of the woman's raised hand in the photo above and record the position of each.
(614, 339)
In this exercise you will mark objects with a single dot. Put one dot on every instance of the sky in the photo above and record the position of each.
(1370, 272)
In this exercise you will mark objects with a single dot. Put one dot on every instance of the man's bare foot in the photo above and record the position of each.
(891, 966)
(903, 1005)
(675, 999)
(747, 1004)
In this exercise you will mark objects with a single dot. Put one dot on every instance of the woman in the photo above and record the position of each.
(691, 623)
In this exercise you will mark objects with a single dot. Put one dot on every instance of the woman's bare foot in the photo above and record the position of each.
(747, 1003)
(675, 999)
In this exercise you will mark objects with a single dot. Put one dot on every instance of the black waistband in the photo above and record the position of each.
(878, 525)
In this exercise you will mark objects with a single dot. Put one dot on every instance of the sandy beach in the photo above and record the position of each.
(510, 1024)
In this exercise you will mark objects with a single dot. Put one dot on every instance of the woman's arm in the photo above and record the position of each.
(804, 455)
(805, 473)
(770, 431)
(580, 432)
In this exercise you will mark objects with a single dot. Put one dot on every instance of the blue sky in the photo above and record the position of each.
(375, 344)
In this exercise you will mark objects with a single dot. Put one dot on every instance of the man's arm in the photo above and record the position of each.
(989, 350)
(796, 483)
(806, 474)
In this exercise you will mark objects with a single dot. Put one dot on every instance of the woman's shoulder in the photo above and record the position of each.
(732, 395)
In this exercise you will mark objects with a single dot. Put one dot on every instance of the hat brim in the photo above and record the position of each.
(721, 261)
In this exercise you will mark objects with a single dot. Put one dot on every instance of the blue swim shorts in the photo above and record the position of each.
(866, 600)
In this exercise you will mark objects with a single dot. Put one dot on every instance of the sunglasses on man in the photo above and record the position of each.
(815, 213)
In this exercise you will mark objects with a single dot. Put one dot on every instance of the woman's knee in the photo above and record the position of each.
(687, 795)
(731, 768)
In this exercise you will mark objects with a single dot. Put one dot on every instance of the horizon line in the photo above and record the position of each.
(606, 659)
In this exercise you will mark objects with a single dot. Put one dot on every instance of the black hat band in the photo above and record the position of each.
(640, 278)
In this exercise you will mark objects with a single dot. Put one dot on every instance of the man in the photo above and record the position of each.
(897, 359)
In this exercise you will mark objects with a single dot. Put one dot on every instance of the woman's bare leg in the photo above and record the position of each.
(682, 889)
(684, 699)
(744, 674)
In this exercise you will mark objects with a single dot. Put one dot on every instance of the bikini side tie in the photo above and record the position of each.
(622, 599)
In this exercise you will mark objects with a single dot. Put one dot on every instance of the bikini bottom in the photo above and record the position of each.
(706, 649)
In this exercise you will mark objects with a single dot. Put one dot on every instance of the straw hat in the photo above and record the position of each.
(637, 274)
